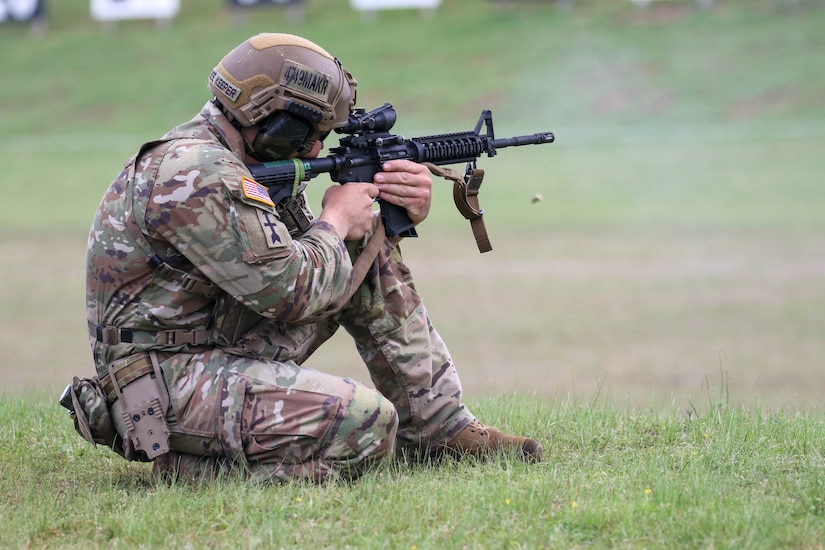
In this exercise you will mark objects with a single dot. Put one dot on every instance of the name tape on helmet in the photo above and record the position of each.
(224, 86)
(306, 80)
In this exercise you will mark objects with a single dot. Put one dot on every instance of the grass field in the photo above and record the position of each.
(731, 478)
(656, 320)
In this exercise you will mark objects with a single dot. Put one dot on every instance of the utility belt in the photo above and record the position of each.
(135, 387)
(111, 335)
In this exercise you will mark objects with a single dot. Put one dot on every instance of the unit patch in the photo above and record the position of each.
(305, 80)
(274, 232)
(253, 190)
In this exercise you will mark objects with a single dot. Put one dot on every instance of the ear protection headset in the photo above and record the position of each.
(284, 135)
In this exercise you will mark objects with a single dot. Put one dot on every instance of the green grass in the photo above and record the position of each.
(680, 236)
(729, 477)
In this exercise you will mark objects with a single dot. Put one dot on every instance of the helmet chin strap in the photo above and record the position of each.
(235, 124)
(248, 148)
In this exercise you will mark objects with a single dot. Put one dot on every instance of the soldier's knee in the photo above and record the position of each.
(366, 432)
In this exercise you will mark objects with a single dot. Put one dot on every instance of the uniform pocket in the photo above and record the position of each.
(286, 425)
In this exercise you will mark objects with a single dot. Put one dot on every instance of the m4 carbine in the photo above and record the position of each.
(368, 143)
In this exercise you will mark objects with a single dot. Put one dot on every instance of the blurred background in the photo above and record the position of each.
(677, 254)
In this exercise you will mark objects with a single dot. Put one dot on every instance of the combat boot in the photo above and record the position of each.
(478, 440)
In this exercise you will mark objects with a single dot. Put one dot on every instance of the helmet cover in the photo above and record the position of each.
(273, 72)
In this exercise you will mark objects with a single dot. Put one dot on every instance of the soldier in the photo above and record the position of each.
(204, 299)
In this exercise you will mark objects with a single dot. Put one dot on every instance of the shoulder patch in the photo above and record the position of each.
(253, 190)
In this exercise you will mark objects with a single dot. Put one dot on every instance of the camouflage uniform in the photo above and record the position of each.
(188, 257)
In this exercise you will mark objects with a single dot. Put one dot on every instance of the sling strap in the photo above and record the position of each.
(465, 196)
(362, 265)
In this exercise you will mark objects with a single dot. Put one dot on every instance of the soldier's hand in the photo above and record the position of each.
(348, 208)
(408, 185)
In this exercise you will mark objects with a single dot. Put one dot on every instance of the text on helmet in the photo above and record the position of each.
(306, 80)
(224, 86)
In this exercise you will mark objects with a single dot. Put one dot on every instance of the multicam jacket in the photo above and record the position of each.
(186, 250)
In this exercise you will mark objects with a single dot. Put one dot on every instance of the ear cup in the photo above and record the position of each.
(282, 135)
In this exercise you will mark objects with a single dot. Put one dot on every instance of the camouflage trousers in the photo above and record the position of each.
(282, 420)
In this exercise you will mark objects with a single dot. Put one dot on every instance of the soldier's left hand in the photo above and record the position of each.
(406, 184)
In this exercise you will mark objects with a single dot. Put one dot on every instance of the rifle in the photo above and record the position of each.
(368, 143)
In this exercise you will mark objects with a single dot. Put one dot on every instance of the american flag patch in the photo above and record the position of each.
(255, 191)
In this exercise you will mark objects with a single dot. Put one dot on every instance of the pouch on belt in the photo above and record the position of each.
(135, 388)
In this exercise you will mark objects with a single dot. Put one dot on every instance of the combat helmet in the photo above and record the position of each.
(291, 86)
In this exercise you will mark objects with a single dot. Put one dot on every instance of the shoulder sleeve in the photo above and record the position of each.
(205, 204)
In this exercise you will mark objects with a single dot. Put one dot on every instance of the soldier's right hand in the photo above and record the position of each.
(348, 208)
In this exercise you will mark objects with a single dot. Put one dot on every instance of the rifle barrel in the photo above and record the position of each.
(532, 139)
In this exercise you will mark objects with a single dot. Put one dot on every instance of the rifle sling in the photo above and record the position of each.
(362, 265)
(465, 195)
